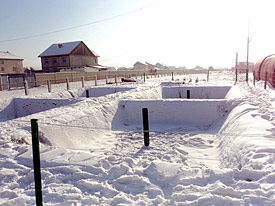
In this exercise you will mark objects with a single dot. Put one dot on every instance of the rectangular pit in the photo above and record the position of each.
(173, 113)
(196, 92)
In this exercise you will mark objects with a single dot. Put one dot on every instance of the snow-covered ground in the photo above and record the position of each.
(217, 148)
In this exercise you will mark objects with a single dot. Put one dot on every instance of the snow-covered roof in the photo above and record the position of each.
(7, 55)
(61, 49)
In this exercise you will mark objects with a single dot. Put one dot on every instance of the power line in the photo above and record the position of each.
(82, 25)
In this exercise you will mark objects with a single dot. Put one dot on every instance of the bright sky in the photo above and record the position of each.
(173, 32)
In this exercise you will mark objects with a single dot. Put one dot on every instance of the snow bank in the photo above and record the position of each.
(102, 91)
(85, 162)
(243, 136)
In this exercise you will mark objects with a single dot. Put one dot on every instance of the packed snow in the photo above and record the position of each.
(216, 148)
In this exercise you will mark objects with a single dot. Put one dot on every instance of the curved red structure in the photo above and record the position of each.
(266, 66)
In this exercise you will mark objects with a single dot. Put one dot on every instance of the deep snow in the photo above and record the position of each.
(207, 151)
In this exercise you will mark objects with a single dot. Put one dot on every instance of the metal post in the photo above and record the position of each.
(9, 81)
(95, 80)
(208, 75)
(188, 94)
(265, 80)
(26, 87)
(172, 76)
(82, 80)
(87, 93)
(116, 79)
(145, 126)
(254, 78)
(49, 85)
(144, 76)
(106, 77)
(68, 83)
(247, 57)
(36, 162)
(236, 68)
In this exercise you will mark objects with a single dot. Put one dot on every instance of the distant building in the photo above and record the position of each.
(68, 57)
(159, 66)
(140, 66)
(10, 64)
(144, 66)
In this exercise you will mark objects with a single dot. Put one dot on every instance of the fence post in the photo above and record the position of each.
(254, 78)
(87, 93)
(265, 80)
(82, 80)
(68, 83)
(36, 162)
(144, 76)
(106, 77)
(236, 68)
(49, 85)
(116, 79)
(172, 76)
(208, 74)
(26, 87)
(95, 80)
(246, 76)
(145, 126)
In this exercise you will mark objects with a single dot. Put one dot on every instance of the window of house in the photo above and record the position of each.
(55, 69)
(64, 60)
(2, 69)
(54, 60)
(1, 61)
(95, 60)
(46, 61)
(47, 70)
(14, 69)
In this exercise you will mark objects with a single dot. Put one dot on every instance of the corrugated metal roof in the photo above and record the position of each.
(60, 49)
(7, 55)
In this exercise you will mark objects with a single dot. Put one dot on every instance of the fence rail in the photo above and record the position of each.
(9, 82)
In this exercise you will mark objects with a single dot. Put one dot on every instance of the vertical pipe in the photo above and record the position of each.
(36, 162)
(188, 94)
(145, 126)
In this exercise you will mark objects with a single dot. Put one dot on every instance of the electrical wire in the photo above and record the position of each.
(141, 130)
(82, 25)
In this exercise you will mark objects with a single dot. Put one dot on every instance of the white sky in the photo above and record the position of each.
(173, 32)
